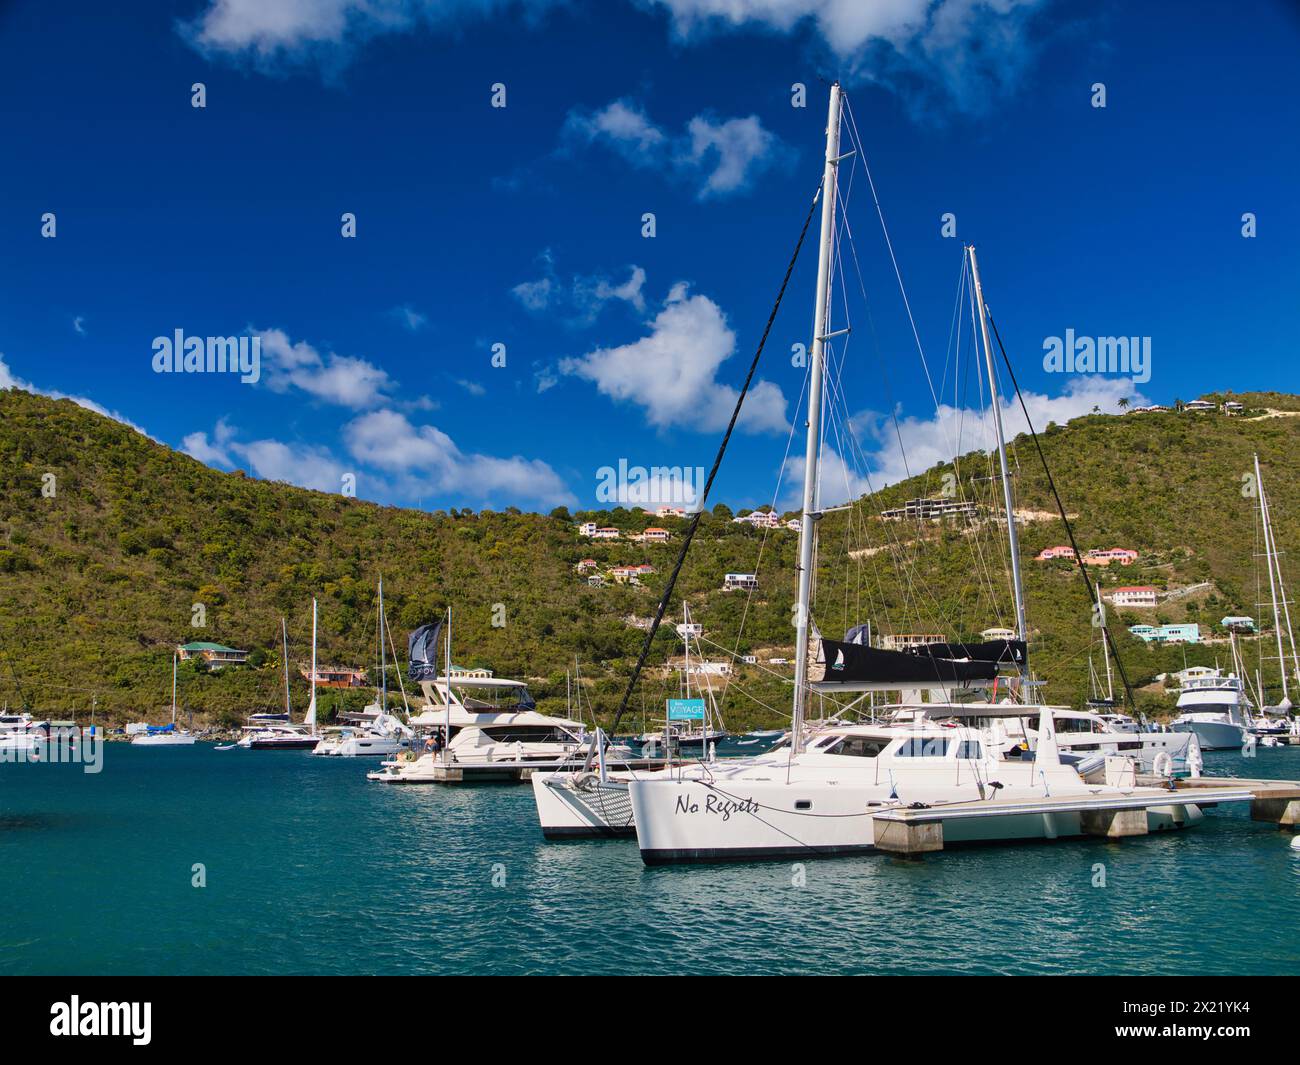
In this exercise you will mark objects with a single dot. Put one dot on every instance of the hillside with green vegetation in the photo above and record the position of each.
(113, 546)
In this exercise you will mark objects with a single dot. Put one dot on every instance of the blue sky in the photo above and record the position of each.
(522, 225)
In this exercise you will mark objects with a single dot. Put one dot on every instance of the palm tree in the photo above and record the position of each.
(1123, 404)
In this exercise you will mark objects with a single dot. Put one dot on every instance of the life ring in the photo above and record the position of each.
(1162, 765)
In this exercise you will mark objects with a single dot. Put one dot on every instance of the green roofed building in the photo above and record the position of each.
(216, 655)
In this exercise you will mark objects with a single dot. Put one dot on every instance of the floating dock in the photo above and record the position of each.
(920, 830)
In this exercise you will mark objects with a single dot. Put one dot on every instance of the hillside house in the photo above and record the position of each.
(935, 508)
(1231, 406)
(1047, 554)
(749, 660)
(1188, 633)
(216, 655)
(998, 634)
(693, 630)
(1104, 556)
(586, 565)
(910, 641)
(1140, 595)
(1235, 623)
(669, 512)
(335, 676)
(1151, 408)
(733, 582)
(759, 519)
(1197, 406)
(655, 535)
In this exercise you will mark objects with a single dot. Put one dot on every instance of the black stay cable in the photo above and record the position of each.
(695, 518)
(1069, 529)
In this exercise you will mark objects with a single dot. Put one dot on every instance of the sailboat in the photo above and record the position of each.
(166, 735)
(273, 732)
(681, 736)
(823, 792)
(372, 732)
(1217, 708)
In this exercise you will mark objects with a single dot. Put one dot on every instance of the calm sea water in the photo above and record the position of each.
(311, 869)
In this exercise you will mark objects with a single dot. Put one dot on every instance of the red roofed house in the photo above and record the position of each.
(1138, 595)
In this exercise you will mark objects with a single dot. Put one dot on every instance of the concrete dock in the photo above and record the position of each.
(920, 830)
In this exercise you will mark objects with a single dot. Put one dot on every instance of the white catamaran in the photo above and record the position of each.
(827, 791)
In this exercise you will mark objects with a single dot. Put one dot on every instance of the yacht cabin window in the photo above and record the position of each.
(856, 746)
(923, 747)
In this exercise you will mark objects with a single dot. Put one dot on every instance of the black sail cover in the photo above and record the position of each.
(933, 664)
(422, 652)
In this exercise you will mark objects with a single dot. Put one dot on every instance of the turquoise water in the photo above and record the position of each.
(311, 869)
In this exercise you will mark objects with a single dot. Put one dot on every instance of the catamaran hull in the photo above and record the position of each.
(694, 822)
(582, 806)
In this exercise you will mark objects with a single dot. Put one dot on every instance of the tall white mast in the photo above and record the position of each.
(173, 687)
(812, 450)
(284, 653)
(446, 737)
(1008, 499)
(310, 720)
(383, 654)
(1269, 559)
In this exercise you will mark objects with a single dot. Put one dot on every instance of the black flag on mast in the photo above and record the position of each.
(422, 652)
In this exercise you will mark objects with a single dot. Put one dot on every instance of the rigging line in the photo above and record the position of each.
(717, 462)
(1069, 529)
(866, 169)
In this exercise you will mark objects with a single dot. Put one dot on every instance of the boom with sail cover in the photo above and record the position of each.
(858, 664)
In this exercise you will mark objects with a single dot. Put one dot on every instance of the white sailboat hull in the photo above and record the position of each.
(173, 739)
(744, 819)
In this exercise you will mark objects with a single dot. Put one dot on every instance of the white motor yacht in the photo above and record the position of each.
(20, 736)
(481, 722)
(1217, 709)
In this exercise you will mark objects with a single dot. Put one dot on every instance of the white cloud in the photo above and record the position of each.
(410, 317)
(963, 53)
(8, 380)
(886, 453)
(672, 371)
(426, 461)
(301, 464)
(720, 157)
(304, 465)
(960, 52)
(214, 452)
(338, 379)
(472, 387)
(79, 325)
(582, 298)
(730, 151)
